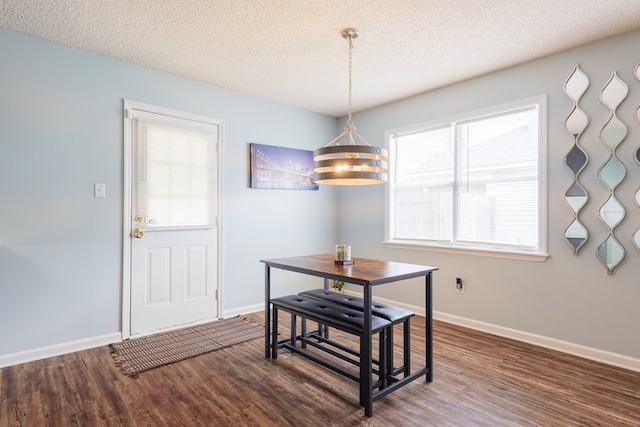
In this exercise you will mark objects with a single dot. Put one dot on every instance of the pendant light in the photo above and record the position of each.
(350, 163)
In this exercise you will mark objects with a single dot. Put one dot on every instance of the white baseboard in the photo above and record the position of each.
(58, 349)
(244, 310)
(597, 355)
(85, 344)
(590, 353)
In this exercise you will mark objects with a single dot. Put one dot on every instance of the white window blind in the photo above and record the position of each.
(176, 174)
(469, 183)
(424, 182)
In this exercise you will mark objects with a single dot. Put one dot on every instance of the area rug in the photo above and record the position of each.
(141, 354)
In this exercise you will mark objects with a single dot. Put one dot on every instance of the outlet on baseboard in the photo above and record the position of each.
(459, 285)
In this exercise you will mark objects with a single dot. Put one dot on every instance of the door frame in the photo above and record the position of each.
(127, 205)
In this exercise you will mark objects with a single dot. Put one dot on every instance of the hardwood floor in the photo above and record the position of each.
(479, 380)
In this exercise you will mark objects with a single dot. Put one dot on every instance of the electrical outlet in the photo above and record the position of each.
(292, 274)
(459, 285)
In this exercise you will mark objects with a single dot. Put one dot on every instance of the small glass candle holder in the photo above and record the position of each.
(343, 255)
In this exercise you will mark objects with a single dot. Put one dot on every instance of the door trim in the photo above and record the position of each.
(127, 210)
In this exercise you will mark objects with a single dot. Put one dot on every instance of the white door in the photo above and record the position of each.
(173, 220)
(173, 279)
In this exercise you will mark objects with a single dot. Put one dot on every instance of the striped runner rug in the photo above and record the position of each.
(141, 354)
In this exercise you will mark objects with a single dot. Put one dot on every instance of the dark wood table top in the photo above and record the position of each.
(363, 272)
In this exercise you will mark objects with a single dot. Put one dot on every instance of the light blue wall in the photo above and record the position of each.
(568, 298)
(61, 131)
(61, 249)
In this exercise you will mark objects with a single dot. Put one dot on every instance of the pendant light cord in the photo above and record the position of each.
(350, 120)
(349, 129)
(351, 163)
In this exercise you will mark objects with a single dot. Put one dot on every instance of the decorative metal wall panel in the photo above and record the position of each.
(610, 252)
(576, 234)
(636, 235)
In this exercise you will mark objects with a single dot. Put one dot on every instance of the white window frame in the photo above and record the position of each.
(540, 254)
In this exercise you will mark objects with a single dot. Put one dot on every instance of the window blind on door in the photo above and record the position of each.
(176, 175)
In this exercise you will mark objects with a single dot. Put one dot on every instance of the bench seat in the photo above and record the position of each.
(331, 314)
(386, 311)
(336, 316)
(395, 315)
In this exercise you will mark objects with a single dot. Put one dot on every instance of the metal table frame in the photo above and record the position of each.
(366, 273)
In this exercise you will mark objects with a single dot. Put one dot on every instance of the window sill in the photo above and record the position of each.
(490, 253)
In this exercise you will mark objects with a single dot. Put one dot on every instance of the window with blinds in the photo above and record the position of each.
(175, 173)
(470, 183)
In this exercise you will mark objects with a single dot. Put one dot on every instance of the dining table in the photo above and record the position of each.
(365, 273)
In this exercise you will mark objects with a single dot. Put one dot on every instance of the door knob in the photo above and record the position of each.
(138, 234)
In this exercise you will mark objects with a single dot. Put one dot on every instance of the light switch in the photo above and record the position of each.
(98, 190)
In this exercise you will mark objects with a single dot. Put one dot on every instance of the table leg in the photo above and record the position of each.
(267, 311)
(366, 357)
(428, 308)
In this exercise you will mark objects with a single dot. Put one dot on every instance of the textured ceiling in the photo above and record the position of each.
(292, 51)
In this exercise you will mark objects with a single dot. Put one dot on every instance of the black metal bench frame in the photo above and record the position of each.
(393, 314)
(335, 316)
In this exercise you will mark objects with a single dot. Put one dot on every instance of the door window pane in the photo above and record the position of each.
(175, 175)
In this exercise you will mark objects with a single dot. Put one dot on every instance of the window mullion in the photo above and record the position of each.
(455, 137)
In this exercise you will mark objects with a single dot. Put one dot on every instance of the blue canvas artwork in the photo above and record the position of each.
(281, 168)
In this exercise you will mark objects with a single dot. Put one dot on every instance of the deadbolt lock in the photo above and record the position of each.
(139, 219)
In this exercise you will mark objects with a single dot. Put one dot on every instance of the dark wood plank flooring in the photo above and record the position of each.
(479, 380)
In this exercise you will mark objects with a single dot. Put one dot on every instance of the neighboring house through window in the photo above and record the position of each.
(475, 182)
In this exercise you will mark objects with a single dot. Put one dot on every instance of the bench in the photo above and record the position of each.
(335, 316)
(395, 315)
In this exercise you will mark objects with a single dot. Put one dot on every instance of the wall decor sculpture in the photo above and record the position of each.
(636, 236)
(610, 252)
(576, 159)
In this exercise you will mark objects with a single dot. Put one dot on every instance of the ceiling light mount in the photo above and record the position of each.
(350, 164)
(350, 33)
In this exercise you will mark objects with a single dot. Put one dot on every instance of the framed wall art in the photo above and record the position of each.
(281, 168)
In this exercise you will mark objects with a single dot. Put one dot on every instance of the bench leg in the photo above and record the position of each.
(405, 368)
(294, 330)
(324, 330)
(406, 345)
(303, 326)
(274, 337)
(390, 351)
(383, 355)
